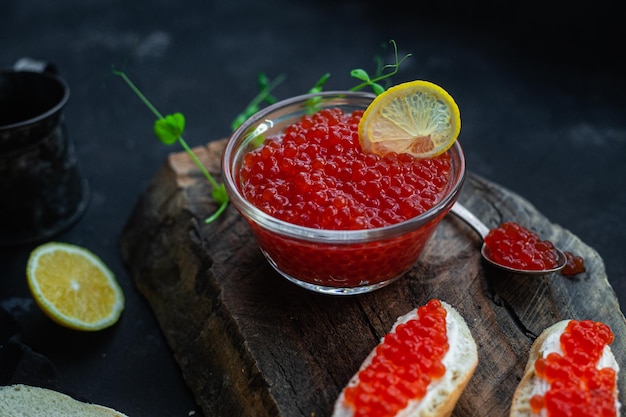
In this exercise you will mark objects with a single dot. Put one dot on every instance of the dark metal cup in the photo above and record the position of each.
(41, 189)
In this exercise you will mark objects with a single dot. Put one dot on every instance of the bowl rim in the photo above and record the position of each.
(330, 236)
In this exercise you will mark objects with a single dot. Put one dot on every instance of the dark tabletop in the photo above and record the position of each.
(541, 92)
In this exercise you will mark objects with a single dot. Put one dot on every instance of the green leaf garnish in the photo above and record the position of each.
(317, 88)
(219, 195)
(265, 88)
(168, 130)
(360, 74)
(373, 83)
(311, 103)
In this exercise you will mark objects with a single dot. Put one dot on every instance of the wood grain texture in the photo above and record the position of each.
(249, 343)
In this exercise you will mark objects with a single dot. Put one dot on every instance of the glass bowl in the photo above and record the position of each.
(337, 262)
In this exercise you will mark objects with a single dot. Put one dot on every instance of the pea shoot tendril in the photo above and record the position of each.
(169, 130)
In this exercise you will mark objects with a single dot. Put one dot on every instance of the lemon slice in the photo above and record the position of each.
(74, 287)
(417, 117)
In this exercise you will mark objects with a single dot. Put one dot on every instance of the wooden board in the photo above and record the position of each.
(249, 343)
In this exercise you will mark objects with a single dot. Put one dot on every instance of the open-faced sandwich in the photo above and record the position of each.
(420, 368)
(571, 371)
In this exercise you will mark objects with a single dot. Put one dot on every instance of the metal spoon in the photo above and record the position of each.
(464, 214)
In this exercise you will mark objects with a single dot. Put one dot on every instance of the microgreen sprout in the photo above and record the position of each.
(311, 103)
(362, 75)
(317, 88)
(169, 130)
(265, 88)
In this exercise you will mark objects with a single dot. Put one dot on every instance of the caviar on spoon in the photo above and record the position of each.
(514, 248)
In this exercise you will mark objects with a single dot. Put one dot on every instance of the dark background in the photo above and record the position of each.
(540, 88)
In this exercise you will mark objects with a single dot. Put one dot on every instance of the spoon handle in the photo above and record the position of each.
(466, 215)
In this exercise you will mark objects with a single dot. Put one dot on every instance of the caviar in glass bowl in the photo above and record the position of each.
(327, 216)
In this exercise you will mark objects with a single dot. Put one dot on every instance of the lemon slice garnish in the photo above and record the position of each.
(74, 287)
(417, 117)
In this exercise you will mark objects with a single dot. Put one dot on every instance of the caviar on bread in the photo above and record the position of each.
(420, 368)
(571, 371)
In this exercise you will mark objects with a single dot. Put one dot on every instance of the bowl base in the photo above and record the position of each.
(324, 289)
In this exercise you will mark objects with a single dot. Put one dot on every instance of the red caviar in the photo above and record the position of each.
(405, 363)
(577, 387)
(316, 175)
(517, 247)
(575, 264)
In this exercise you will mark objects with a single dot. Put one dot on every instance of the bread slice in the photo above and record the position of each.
(460, 362)
(547, 342)
(28, 401)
